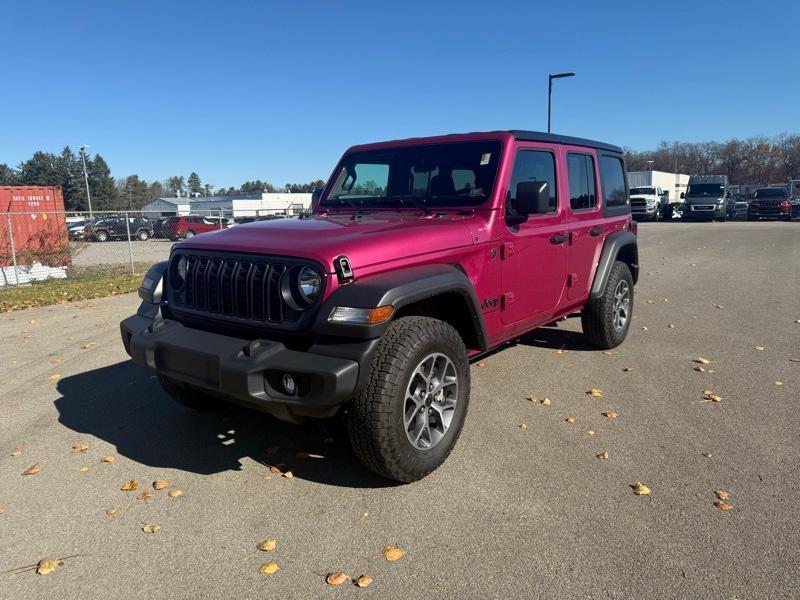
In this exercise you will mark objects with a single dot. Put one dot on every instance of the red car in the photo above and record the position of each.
(419, 256)
(178, 228)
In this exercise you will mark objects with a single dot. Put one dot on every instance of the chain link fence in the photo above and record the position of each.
(44, 246)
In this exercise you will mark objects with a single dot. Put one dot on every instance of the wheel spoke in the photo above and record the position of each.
(430, 401)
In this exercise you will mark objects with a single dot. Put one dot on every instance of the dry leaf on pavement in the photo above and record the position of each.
(760, 348)
(701, 360)
(523, 425)
(723, 505)
(268, 545)
(145, 495)
(130, 486)
(108, 458)
(546, 401)
(83, 469)
(482, 364)
(392, 553)
(595, 393)
(610, 414)
(17, 450)
(54, 376)
(79, 447)
(336, 578)
(159, 484)
(288, 475)
(533, 398)
(111, 511)
(151, 528)
(589, 432)
(603, 456)
(570, 419)
(48, 565)
(640, 489)
(32, 470)
(268, 568)
(722, 494)
(363, 581)
(175, 493)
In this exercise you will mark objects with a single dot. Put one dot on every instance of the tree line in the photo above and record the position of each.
(754, 160)
(127, 193)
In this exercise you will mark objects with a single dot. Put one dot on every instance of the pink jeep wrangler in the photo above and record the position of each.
(418, 256)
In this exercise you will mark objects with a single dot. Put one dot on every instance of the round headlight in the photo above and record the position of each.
(309, 283)
(182, 267)
(178, 277)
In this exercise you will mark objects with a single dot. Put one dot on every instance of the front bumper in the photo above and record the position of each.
(703, 211)
(768, 212)
(242, 371)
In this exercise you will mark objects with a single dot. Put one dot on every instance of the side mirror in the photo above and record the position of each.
(683, 195)
(533, 198)
(728, 194)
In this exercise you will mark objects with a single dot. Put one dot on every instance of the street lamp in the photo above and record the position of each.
(550, 92)
(86, 178)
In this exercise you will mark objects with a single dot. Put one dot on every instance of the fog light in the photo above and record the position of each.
(289, 385)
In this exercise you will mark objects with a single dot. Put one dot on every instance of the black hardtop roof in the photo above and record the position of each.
(540, 136)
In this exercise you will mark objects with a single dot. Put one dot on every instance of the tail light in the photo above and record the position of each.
(633, 227)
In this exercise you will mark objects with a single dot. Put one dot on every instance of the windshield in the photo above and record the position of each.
(706, 190)
(643, 191)
(770, 193)
(457, 174)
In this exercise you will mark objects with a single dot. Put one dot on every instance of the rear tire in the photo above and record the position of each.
(188, 234)
(143, 235)
(188, 396)
(101, 236)
(406, 421)
(606, 319)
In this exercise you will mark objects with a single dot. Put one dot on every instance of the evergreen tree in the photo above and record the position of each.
(156, 190)
(8, 176)
(101, 183)
(176, 186)
(195, 185)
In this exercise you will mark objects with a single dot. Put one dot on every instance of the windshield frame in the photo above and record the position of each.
(495, 148)
(719, 190)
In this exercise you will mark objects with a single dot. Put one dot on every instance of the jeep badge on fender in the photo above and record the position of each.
(284, 326)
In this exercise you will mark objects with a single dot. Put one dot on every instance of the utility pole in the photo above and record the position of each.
(550, 92)
(86, 178)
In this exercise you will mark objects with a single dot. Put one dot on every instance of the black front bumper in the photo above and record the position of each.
(244, 371)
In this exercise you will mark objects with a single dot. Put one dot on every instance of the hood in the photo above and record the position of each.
(366, 240)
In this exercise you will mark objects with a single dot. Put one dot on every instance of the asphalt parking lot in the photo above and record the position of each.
(118, 252)
(514, 513)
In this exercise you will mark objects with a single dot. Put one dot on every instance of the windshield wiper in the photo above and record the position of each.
(412, 202)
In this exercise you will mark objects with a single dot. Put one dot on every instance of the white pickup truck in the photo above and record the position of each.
(647, 202)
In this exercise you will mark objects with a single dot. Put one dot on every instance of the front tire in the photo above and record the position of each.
(101, 236)
(143, 235)
(606, 319)
(186, 395)
(188, 234)
(406, 421)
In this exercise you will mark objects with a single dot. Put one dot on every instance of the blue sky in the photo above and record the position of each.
(277, 90)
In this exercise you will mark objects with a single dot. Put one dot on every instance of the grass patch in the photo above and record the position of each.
(81, 284)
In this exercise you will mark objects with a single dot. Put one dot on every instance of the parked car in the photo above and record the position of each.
(647, 202)
(421, 255)
(705, 198)
(115, 228)
(177, 228)
(770, 203)
(737, 208)
(77, 229)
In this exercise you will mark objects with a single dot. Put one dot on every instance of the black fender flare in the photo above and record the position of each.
(399, 288)
(613, 245)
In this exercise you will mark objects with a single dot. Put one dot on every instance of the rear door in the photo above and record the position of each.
(534, 252)
(584, 220)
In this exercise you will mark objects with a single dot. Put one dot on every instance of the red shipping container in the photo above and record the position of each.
(33, 216)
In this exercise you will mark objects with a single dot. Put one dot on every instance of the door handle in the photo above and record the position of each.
(595, 231)
(559, 239)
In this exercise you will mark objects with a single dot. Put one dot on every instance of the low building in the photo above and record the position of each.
(242, 205)
(673, 183)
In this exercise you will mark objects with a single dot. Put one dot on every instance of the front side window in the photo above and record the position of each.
(613, 177)
(581, 182)
(436, 175)
(533, 165)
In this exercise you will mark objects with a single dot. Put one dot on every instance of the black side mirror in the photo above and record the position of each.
(728, 194)
(683, 195)
(533, 198)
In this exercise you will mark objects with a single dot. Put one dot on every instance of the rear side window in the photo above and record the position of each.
(534, 165)
(613, 177)
(582, 193)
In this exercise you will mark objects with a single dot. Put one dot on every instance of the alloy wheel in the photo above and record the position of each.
(430, 401)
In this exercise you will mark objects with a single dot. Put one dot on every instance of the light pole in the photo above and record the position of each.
(550, 92)
(86, 178)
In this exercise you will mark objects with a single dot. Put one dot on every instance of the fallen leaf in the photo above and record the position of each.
(560, 351)
(159, 484)
(627, 369)
(607, 352)
(17, 450)
(794, 360)
(130, 486)
(48, 565)
(268, 568)
(268, 545)
(533, 398)
(640, 489)
(176, 493)
(55, 361)
(145, 495)
(89, 346)
(603, 456)
(589, 432)
(760, 348)
(644, 328)
(363, 580)
(336, 578)
(719, 306)
(111, 511)
(54, 376)
(722, 505)
(701, 360)
(650, 302)
(79, 447)
(523, 426)
(274, 470)
(151, 528)
(722, 494)
(610, 414)
(32, 321)
(699, 369)
(778, 383)
(546, 401)
(671, 326)
(570, 419)
(108, 458)
(707, 454)
(32, 470)
(710, 395)
(288, 475)
(393, 553)
(83, 469)
(482, 364)
(595, 393)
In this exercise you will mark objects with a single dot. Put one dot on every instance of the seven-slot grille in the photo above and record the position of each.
(236, 287)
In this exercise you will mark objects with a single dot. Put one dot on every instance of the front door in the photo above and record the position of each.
(584, 222)
(534, 252)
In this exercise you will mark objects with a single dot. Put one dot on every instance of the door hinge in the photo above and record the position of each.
(507, 250)
(572, 279)
(507, 300)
